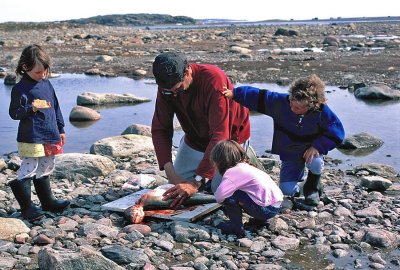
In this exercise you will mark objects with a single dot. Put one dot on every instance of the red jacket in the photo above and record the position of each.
(206, 117)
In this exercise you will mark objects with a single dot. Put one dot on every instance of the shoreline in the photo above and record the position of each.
(246, 54)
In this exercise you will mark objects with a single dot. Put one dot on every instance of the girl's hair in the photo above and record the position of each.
(227, 154)
(30, 57)
(310, 91)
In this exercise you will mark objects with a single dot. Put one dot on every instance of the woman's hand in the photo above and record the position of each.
(227, 92)
(310, 153)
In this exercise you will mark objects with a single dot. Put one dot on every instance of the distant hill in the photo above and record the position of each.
(135, 20)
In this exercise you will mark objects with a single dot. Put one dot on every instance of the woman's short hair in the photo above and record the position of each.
(310, 91)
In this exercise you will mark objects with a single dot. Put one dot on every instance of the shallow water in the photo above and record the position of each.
(381, 119)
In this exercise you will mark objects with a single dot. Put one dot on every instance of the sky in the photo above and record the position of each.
(250, 10)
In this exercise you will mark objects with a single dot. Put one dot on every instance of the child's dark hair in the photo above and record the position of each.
(310, 90)
(227, 154)
(30, 57)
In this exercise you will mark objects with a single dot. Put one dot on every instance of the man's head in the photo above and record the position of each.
(169, 69)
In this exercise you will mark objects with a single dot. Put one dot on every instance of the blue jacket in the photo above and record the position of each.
(293, 134)
(43, 126)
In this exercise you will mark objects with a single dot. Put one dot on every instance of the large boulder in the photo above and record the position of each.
(10, 227)
(377, 91)
(377, 169)
(138, 129)
(80, 113)
(122, 146)
(84, 259)
(90, 98)
(73, 165)
(360, 141)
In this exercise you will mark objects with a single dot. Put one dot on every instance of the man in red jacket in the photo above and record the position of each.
(192, 92)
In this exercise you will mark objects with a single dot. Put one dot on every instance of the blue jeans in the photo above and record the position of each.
(239, 202)
(292, 172)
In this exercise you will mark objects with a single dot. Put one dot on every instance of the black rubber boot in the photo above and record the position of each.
(235, 224)
(46, 197)
(312, 189)
(22, 192)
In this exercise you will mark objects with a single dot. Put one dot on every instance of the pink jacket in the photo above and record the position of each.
(256, 183)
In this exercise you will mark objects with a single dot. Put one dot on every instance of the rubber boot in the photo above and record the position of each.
(235, 224)
(22, 193)
(46, 197)
(312, 189)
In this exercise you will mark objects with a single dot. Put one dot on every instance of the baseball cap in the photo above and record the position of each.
(169, 69)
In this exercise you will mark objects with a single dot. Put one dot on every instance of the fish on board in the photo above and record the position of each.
(152, 203)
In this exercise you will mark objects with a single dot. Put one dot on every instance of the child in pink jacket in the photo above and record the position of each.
(243, 188)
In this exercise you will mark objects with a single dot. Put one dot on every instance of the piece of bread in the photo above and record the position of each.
(41, 104)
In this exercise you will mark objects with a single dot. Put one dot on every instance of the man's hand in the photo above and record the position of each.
(310, 153)
(228, 93)
(180, 192)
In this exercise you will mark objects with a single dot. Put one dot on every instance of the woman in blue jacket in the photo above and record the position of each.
(305, 128)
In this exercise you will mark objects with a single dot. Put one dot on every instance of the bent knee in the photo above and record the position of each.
(317, 165)
(289, 188)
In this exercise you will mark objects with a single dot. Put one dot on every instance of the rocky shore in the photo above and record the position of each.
(340, 54)
(355, 227)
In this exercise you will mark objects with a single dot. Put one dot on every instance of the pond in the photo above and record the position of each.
(381, 119)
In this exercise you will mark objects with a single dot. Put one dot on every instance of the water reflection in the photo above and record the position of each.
(361, 152)
(83, 124)
(378, 118)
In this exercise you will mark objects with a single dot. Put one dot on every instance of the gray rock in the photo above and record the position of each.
(360, 141)
(376, 183)
(265, 266)
(7, 262)
(73, 164)
(124, 255)
(84, 259)
(184, 232)
(80, 113)
(377, 169)
(377, 91)
(381, 238)
(371, 211)
(331, 41)
(277, 225)
(138, 129)
(286, 243)
(98, 230)
(122, 146)
(90, 98)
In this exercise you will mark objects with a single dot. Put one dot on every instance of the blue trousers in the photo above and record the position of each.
(292, 172)
(239, 202)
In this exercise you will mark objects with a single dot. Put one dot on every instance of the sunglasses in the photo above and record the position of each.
(174, 92)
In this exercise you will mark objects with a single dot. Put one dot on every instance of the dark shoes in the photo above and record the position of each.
(254, 223)
(46, 197)
(312, 189)
(228, 227)
(22, 192)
